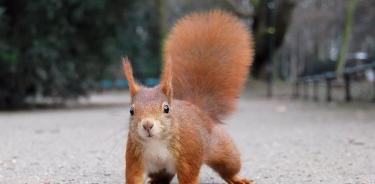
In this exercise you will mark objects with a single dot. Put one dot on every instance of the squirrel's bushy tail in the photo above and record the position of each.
(210, 57)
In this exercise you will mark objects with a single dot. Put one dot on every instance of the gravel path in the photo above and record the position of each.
(281, 141)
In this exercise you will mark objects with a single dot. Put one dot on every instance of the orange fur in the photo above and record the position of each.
(207, 58)
(129, 76)
(211, 54)
(166, 84)
(134, 169)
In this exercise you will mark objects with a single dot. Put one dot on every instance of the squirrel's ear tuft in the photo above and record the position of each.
(166, 83)
(128, 72)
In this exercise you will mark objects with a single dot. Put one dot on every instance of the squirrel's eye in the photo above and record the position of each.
(166, 108)
(131, 110)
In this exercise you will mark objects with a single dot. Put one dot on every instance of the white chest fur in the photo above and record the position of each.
(157, 157)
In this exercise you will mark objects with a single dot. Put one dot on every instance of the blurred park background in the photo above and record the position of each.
(53, 50)
(307, 115)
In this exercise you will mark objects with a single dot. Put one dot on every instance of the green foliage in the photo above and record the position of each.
(143, 38)
(58, 49)
(255, 3)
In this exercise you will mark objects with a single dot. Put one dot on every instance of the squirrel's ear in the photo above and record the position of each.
(166, 83)
(128, 71)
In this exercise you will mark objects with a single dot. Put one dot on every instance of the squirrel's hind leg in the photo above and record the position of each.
(224, 158)
(238, 180)
(228, 166)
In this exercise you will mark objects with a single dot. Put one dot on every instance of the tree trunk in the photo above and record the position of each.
(283, 11)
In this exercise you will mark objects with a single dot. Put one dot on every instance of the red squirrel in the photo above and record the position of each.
(176, 127)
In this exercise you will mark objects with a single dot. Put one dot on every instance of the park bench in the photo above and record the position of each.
(328, 78)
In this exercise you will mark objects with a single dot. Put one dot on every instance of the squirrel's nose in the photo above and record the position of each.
(147, 125)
